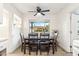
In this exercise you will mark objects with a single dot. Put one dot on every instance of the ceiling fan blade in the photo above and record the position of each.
(35, 14)
(45, 10)
(31, 11)
(42, 14)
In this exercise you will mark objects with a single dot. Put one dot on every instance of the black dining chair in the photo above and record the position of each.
(55, 40)
(22, 42)
(44, 43)
(33, 43)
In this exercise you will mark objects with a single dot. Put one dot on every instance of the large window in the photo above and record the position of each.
(17, 21)
(4, 20)
(39, 26)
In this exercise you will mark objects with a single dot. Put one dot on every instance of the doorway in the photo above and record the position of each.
(75, 33)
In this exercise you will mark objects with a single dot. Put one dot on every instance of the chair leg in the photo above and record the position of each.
(40, 53)
(22, 47)
(24, 50)
(47, 52)
(36, 52)
(53, 51)
(29, 52)
(55, 47)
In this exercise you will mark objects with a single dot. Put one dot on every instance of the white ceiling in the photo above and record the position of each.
(25, 7)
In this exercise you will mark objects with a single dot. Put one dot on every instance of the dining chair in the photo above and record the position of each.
(44, 43)
(22, 42)
(44, 46)
(33, 43)
(55, 40)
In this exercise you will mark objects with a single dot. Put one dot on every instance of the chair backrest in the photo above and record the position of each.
(55, 35)
(22, 37)
(33, 35)
(44, 35)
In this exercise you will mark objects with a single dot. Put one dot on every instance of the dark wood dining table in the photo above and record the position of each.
(27, 39)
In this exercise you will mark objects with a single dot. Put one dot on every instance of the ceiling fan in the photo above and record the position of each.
(39, 10)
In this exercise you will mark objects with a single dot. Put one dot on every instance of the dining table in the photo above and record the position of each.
(27, 39)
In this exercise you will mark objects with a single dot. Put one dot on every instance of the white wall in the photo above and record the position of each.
(63, 25)
(12, 43)
(30, 17)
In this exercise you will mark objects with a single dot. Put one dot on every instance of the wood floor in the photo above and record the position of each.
(59, 52)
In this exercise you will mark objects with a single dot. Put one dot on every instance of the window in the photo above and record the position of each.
(5, 17)
(39, 26)
(17, 21)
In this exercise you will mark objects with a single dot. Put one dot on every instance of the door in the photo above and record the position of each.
(75, 33)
